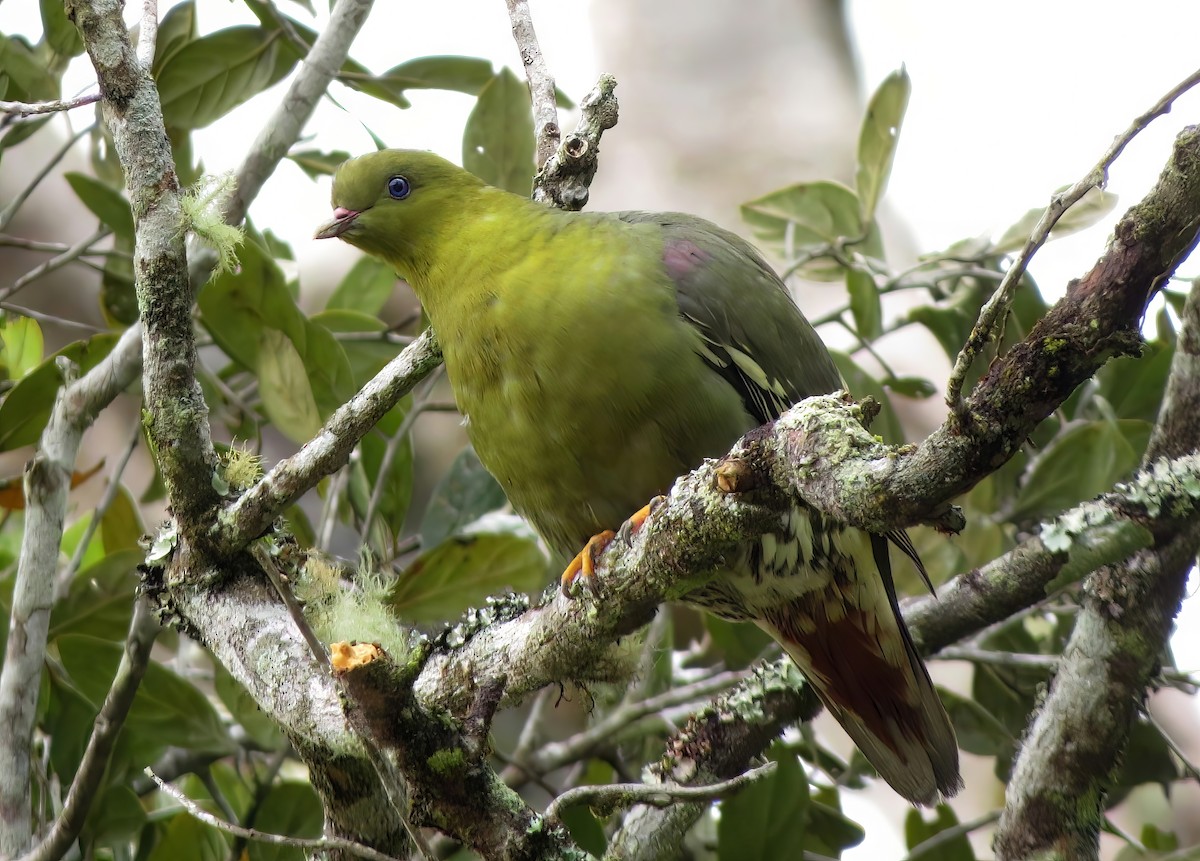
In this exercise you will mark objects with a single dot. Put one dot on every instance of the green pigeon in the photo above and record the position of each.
(596, 357)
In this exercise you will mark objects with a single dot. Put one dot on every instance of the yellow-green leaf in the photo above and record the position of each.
(498, 139)
(21, 347)
(287, 395)
(878, 138)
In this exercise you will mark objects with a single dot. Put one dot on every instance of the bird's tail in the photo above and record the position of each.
(854, 648)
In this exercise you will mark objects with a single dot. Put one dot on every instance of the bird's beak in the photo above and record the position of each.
(343, 220)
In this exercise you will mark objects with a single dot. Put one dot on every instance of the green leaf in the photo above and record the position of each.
(978, 730)
(878, 138)
(118, 294)
(1080, 463)
(498, 140)
(462, 74)
(397, 481)
(863, 385)
(366, 358)
(167, 710)
(917, 830)
(316, 163)
(60, 33)
(287, 395)
(366, 287)
(210, 76)
(1134, 387)
(292, 809)
(245, 710)
(864, 304)
(121, 525)
(585, 829)
(26, 408)
(911, 387)
(465, 493)
(1090, 208)
(808, 218)
(176, 29)
(463, 570)
(768, 814)
(740, 644)
(24, 77)
(29, 79)
(99, 601)
(116, 818)
(21, 346)
(949, 324)
(238, 307)
(189, 839)
(107, 204)
(1147, 759)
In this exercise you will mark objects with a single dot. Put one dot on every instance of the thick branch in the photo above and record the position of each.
(1098, 319)
(1059, 780)
(176, 415)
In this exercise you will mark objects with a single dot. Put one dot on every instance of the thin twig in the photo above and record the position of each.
(143, 630)
(29, 109)
(57, 262)
(106, 501)
(951, 833)
(541, 82)
(318, 843)
(43, 317)
(615, 795)
(6, 215)
(992, 316)
(148, 33)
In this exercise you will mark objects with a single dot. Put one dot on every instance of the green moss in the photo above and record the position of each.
(447, 762)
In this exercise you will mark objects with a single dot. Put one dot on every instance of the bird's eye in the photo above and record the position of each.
(399, 187)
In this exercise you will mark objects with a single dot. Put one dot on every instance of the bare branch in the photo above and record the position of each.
(613, 796)
(992, 315)
(72, 254)
(541, 82)
(147, 33)
(143, 630)
(1126, 615)
(319, 844)
(564, 179)
(29, 109)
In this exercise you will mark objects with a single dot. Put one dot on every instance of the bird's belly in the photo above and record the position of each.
(582, 451)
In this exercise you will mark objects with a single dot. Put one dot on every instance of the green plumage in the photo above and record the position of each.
(598, 356)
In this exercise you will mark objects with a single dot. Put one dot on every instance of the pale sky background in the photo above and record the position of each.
(1010, 101)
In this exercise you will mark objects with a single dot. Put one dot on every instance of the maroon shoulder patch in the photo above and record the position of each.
(682, 257)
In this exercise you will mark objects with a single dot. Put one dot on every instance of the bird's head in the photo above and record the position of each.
(396, 204)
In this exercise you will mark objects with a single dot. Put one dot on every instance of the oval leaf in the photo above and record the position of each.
(463, 570)
(498, 140)
(106, 203)
(287, 395)
(878, 138)
(208, 77)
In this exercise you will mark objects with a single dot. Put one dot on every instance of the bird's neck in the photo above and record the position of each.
(468, 256)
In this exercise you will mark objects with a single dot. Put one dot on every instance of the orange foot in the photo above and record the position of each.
(582, 570)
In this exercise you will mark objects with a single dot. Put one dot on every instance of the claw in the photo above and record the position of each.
(582, 570)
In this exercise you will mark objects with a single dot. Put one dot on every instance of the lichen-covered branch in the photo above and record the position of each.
(541, 83)
(143, 631)
(47, 480)
(563, 181)
(1099, 318)
(1055, 796)
(175, 414)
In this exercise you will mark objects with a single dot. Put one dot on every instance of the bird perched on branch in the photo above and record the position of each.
(596, 357)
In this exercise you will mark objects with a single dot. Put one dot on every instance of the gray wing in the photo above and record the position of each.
(754, 335)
